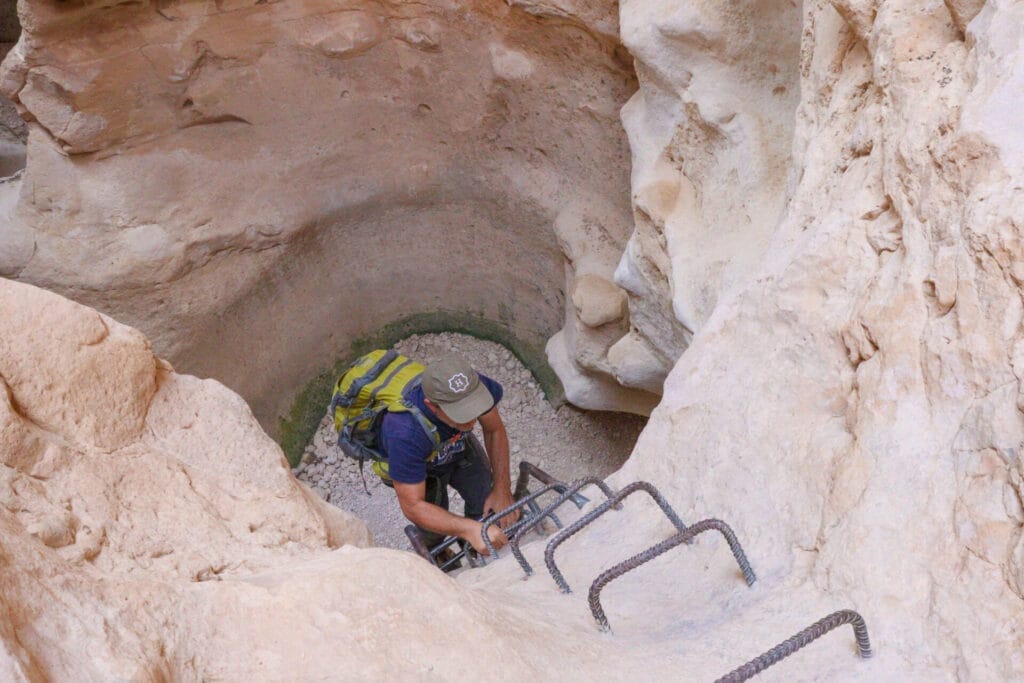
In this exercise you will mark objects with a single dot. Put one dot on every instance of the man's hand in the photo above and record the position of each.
(496, 443)
(500, 499)
(497, 536)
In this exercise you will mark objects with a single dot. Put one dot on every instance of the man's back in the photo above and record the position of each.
(408, 447)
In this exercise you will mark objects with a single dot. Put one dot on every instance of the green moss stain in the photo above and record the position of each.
(310, 405)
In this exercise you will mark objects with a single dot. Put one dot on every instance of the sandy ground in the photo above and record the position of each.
(568, 443)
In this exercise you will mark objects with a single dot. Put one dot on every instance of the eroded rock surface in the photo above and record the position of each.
(258, 184)
(125, 485)
(167, 554)
(13, 131)
(854, 404)
(827, 201)
(711, 132)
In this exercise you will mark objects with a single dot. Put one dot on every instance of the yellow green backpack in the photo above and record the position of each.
(372, 386)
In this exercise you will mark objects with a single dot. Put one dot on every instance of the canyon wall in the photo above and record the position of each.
(854, 405)
(826, 201)
(13, 132)
(256, 185)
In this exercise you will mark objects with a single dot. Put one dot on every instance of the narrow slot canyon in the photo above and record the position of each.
(752, 267)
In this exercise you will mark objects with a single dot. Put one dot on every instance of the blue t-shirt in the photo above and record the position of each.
(407, 446)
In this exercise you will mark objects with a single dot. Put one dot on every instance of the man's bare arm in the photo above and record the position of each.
(496, 444)
(412, 500)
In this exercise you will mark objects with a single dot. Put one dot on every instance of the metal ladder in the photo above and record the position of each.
(534, 516)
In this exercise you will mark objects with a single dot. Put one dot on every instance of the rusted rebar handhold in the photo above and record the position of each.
(808, 635)
(535, 510)
(549, 511)
(564, 534)
(523, 502)
(682, 537)
(527, 470)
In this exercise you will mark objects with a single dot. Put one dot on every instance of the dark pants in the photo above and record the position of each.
(470, 475)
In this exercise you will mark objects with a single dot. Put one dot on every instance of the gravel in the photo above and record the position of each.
(568, 443)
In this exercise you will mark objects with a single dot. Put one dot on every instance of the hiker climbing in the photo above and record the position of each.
(415, 423)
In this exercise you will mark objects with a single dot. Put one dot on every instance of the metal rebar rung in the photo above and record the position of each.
(419, 545)
(534, 508)
(576, 486)
(493, 519)
(535, 512)
(621, 568)
(567, 532)
(527, 470)
(805, 637)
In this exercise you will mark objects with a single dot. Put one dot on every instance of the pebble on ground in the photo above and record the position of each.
(568, 443)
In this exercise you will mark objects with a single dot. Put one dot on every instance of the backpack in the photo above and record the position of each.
(371, 387)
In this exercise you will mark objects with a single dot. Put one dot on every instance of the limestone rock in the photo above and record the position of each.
(963, 11)
(598, 301)
(595, 314)
(117, 462)
(827, 254)
(636, 364)
(592, 390)
(235, 166)
(345, 36)
(13, 132)
(853, 401)
(166, 558)
(17, 243)
(102, 358)
(710, 133)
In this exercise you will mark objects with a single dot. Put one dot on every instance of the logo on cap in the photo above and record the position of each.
(458, 383)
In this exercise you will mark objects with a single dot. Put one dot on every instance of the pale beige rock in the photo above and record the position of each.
(596, 318)
(598, 301)
(510, 64)
(839, 259)
(167, 558)
(125, 488)
(852, 406)
(205, 170)
(634, 363)
(593, 390)
(710, 131)
(963, 11)
(103, 358)
(114, 459)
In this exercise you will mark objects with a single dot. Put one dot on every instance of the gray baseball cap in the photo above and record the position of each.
(455, 387)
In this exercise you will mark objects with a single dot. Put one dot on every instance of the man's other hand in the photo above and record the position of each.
(498, 501)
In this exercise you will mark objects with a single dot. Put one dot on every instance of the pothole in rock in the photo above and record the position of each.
(569, 443)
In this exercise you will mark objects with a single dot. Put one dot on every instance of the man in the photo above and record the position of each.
(453, 396)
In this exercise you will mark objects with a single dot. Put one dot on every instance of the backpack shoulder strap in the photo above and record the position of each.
(428, 426)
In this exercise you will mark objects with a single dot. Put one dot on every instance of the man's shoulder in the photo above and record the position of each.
(399, 422)
(402, 433)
